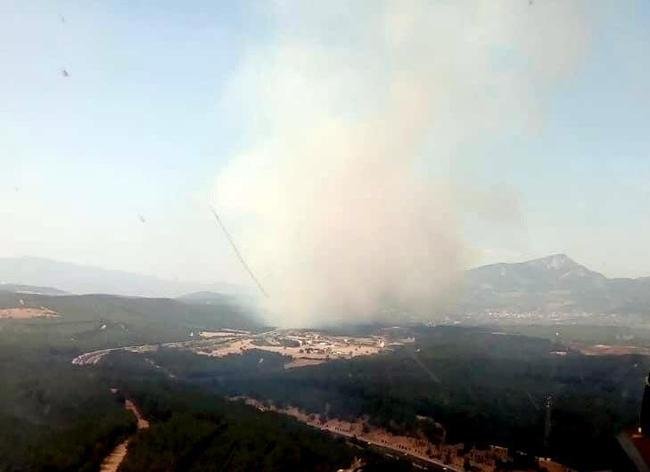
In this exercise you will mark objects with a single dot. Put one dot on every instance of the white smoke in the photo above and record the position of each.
(342, 203)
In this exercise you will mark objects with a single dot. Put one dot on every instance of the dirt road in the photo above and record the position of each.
(112, 462)
(386, 443)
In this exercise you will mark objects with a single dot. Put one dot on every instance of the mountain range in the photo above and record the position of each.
(554, 283)
(81, 279)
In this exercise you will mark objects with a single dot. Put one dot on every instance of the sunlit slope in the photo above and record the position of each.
(96, 321)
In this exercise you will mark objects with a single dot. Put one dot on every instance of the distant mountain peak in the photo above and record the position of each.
(204, 295)
(554, 261)
(551, 284)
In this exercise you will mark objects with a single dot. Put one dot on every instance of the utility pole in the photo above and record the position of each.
(547, 421)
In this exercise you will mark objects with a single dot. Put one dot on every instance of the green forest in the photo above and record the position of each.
(55, 416)
(484, 388)
(193, 430)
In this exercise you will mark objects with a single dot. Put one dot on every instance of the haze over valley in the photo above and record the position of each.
(342, 236)
(549, 288)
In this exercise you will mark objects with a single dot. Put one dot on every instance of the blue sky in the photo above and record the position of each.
(144, 124)
(583, 180)
(135, 129)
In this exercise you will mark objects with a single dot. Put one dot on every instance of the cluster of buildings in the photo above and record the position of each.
(299, 345)
(531, 316)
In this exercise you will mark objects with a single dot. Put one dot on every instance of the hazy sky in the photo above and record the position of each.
(152, 113)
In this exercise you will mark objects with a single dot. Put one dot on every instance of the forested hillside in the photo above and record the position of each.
(55, 416)
(484, 388)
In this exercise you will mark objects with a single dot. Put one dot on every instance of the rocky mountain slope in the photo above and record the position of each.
(552, 284)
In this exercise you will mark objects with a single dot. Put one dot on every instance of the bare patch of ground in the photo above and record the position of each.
(610, 350)
(224, 333)
(23, 313)
(294, 364)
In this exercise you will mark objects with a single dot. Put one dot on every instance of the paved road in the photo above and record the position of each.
(92, 357)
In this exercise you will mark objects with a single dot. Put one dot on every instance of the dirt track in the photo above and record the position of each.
(112, 462)
(402, 445)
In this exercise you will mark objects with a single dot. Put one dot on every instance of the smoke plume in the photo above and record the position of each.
(355, 114)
